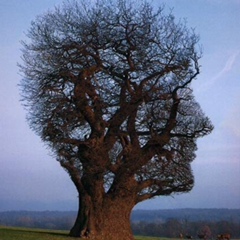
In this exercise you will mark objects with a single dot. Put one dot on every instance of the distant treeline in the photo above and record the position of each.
(191, 222)
(160, 223)
(173, 228)
(189, 214)
(44, 219)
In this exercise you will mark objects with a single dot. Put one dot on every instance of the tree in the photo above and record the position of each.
(108, 88)
(204, 232)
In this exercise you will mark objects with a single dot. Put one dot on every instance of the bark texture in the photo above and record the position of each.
(110, 221)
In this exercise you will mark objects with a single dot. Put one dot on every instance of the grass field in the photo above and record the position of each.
(10, 233)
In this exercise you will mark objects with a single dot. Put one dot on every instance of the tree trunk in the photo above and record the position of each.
(111, 221)
(82, 224)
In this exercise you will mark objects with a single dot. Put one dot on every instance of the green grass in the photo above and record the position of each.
(9, 233)
(12, 233)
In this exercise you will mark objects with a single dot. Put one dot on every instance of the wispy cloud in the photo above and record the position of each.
(231, 122)
(229, 64)
(226, 68)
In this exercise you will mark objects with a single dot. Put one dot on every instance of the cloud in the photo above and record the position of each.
(231, 123)
(229, 65)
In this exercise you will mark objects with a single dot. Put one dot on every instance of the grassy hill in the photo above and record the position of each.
(10, 233)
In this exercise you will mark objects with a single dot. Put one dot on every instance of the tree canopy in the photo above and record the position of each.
(107, 87)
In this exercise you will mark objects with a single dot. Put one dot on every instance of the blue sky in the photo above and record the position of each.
(31, 179)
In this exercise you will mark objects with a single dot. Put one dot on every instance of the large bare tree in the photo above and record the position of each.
(108, 87)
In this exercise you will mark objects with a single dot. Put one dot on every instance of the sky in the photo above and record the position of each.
(31, 179)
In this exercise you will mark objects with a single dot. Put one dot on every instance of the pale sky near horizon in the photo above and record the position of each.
(30, 179)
